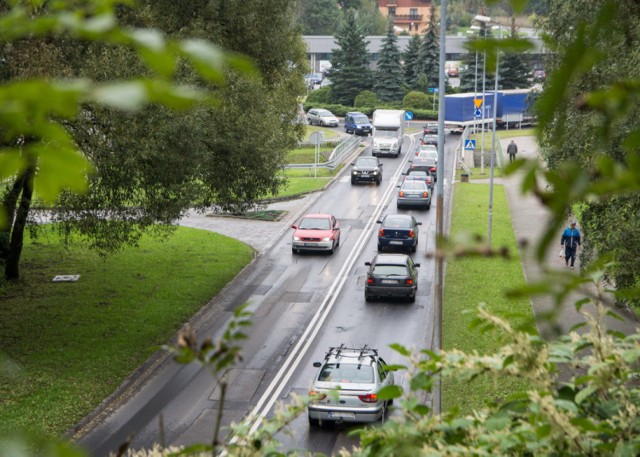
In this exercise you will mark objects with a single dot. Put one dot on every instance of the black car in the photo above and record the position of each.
(391, 275)
(424, 164)
(420, 175)
(430, 139)
(431, 128)
(398, 231)
(367, 169)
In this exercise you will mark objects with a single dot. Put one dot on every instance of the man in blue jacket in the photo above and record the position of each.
(571, 240)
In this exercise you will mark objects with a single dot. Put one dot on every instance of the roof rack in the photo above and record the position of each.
(336, 351)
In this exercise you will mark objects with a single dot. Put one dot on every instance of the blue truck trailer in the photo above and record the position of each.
(513, 109)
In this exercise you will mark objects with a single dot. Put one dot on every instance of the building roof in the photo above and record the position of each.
(317, 44)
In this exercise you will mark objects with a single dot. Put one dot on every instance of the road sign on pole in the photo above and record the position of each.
(477, 102)
(477, 113)
(408, 115)
(470, 145)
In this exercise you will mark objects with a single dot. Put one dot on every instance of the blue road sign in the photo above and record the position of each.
(470, 145)
(408, 115)
(477, 113)
(432, 90)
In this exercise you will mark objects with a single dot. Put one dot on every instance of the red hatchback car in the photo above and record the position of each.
(316, 232)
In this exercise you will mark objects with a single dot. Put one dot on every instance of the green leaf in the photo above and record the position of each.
(584, 424)
(127, 96)
(543, 431)
(421, 410)
(208, 59)
(11, 162)
(401, 349)
(584, 393)
(566, 405)
(421, 381)
(390, 392)
(497, 423)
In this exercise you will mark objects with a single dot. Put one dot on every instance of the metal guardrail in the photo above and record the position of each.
(337, 155)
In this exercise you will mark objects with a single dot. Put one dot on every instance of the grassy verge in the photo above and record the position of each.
(76, 342)
(470, 281)
(327, 131)
(500, 134)
(476, 173)
(307, 155)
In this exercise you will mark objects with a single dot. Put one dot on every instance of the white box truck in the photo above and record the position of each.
(388, 132)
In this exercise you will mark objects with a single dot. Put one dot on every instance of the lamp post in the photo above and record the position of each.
(493, 140)
(484, 20)
(474, 30)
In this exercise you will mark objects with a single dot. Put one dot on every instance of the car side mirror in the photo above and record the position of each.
(416, 265)
(368, 264)
(410, 161)
(353, 163)
(419, 223)
(378, 222)
(317, 364)
(294, 227)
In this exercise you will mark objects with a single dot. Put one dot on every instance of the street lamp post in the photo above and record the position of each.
(484, 20)
(474, 30)
(493, 142)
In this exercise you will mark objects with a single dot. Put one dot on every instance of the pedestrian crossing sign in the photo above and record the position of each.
(470, 145)
(477, 102)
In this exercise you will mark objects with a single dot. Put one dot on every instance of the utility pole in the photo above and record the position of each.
(439, 279)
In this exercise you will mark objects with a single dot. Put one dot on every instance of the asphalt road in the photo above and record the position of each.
(301, 305)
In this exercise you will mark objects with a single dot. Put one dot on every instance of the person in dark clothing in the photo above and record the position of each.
(571, 240)
(512, 150)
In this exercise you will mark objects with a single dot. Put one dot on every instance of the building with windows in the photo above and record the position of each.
(411, 16)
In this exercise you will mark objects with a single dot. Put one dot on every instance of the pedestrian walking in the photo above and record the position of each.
(512, 150)
(571, 240)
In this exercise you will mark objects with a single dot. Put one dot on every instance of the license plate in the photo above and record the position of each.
(389, 281)
(395, 242)
(309, 244)
(336, 415)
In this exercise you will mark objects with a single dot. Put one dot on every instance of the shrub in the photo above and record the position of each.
(366, 98)
(319, 96)
(417, 99)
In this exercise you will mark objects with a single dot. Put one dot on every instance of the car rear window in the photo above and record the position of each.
(397, 222)
(346, 373)
(413, 185)
(386, 270)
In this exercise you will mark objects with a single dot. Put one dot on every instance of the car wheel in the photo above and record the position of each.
(294, 250)
(412, 298)
(333, 248)
(314, 422)
(428, 206)
(413, 248)
(368, 298)
(353, 181)
(378, 181)
(380, 247)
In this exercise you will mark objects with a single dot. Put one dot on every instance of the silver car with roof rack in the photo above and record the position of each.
(346, 387)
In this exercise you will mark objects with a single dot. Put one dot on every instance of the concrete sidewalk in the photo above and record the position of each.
(529, 218)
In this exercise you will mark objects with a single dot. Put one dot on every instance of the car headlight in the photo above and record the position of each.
(296, 238)
(326, 238)
(355, 172)
(375, 173)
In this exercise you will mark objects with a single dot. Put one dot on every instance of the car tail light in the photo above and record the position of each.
(433, 169)
(381, 232)
(409, 282)
(368, 398)
(411, 234)
(425, 194)
(317, 396)
(369, 281)
(401, 194)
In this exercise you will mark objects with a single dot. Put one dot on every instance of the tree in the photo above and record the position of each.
(388, 75)
(514, 73)
(428, 57)
(604, 56)
(318, 17)
(410, 57)
(177, 162)
(472, 75)
(349, 73)
(370, 19)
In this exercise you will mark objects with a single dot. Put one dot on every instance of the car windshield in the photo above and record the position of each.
(386, 133)
(397, 222)
(314, 223)
(346, 373)
(367, 162)
(325, 114)
(360, 120)
(390, 270)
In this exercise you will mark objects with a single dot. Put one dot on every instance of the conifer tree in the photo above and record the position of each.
(410, 57)
(389, 76)
(349, 73)
(429, 54)
(513, 71)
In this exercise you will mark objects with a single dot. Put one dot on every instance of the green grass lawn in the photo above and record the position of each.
(472, 280)
(500, 134)
(476, 173)
(329, 132)
(307, 155)
(76, 342)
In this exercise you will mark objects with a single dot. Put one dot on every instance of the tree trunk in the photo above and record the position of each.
(19, 222)
(9, 206)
